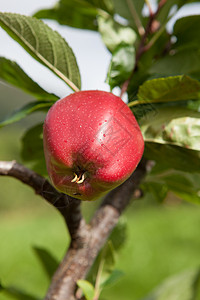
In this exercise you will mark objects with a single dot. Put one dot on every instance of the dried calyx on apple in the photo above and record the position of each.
(92, 143)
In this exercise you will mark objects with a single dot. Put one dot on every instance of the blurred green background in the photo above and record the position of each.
(161, 240)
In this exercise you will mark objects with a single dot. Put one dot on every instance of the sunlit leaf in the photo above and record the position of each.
(87, 288)
(114, 34)
(112, 279)
(44, 44)
(177, 88)
(11, 73)
(121, 65)
(175, 126)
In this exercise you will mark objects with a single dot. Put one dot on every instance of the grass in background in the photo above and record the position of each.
(161, 242)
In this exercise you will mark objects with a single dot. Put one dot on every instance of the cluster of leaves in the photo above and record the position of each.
(163, 91)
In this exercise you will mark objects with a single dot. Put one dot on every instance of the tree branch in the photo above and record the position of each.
(92, 237)
(86, 239)
(69, 207)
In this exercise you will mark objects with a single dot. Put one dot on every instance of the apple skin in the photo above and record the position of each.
(92, 133)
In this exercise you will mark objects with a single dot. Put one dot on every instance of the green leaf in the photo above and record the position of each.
(105, 5)
(32, 152)
(104, 264)
(87, 288)
(25, 111)
(112, 279)
(174, 126)
(187, 31)
(44, 44)
(178, 62)
(76, 13)
(118, 236)
(183, 286)
(146, 110)
(182, 186)
(195, 105)
(11, 73)
(49, 263)
(108, 255)
(121, 66)
(66, 13)
(177, 88)
(158, 189)
(173, 157)
(114, 34)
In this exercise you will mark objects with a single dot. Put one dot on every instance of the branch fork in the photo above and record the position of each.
(86, 239)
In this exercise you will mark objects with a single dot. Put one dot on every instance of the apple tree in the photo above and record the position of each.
(156, 67)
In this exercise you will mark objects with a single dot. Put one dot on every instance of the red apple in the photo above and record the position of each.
(92, 143)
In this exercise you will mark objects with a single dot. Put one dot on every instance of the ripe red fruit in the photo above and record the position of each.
(92, 143)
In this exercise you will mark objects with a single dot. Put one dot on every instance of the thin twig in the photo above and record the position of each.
(136, 18)
(160, 5)
(98, 279)
(142, 48)
(149, 7)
